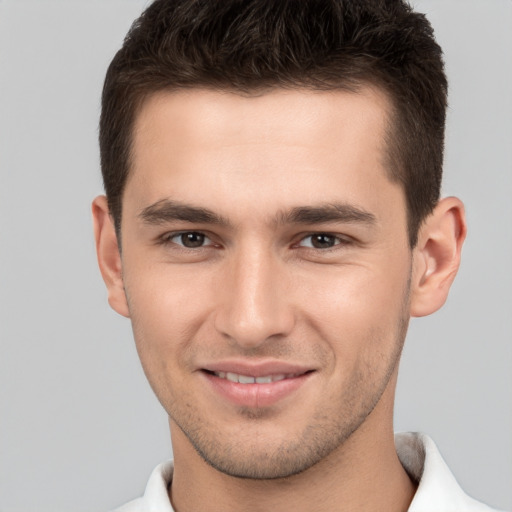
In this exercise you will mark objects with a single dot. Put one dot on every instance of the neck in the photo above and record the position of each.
(362, 474)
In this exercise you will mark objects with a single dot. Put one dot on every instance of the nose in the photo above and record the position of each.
(254, 302)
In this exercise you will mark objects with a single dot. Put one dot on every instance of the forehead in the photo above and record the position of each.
(277, 116)
(279, 148)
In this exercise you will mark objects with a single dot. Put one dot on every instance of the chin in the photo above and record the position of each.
(273, 457)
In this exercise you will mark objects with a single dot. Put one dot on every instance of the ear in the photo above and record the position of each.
(109, 257)
(437, 256)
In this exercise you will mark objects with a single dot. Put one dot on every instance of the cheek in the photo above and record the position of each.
(163, 324)
(167, 310)
(359, 310)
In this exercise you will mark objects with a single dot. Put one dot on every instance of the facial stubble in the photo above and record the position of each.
(326, 433)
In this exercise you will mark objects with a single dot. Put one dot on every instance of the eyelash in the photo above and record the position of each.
(167, 239)
(339, 241)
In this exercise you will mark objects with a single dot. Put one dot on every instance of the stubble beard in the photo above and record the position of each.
(246, 458)
(249, 458)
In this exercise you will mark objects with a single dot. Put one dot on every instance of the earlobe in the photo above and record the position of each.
(109, 257)
(437, 256)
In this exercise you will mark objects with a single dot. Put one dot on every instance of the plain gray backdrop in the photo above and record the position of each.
(80, 429)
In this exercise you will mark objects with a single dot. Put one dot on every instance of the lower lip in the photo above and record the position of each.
(255, 395)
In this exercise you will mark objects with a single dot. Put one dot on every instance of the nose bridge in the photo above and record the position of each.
(255, 304)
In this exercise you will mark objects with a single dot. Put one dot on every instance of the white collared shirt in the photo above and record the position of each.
(438, 491)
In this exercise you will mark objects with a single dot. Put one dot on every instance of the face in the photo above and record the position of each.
(266, 269)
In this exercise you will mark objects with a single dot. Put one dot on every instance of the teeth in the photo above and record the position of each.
(247, 379)
(243, 379)
(264, 380)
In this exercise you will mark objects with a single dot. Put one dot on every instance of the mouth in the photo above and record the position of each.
(257, 387)
(248, 379)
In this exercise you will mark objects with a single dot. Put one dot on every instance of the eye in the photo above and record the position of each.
(189, 239)
(321, 241)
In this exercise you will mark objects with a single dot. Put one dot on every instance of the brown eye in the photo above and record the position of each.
(323, 241)
(320, 241)
(190, 239)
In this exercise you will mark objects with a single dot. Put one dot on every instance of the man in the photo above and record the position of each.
(271, 222)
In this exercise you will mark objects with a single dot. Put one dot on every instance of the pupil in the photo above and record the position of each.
(322, 241)
(192, 239)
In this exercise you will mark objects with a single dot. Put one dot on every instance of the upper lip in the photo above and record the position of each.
(257, 368)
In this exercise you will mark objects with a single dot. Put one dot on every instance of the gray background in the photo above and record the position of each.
(79, 427)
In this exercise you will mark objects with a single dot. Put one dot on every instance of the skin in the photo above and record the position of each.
(273, 275)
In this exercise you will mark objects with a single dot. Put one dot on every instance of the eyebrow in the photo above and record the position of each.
(331, 212)
(167, 210)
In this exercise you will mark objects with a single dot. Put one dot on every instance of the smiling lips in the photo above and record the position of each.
(245, 379)
(256, 387)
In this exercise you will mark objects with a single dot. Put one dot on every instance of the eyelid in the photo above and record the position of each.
(167, 238)
(337, 236)
(340, 240)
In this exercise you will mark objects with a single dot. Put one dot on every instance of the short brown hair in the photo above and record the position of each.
(250, 45)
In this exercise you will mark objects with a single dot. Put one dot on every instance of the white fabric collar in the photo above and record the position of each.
(437, 488)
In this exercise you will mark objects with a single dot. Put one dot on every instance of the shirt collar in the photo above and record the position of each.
(437, 487)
